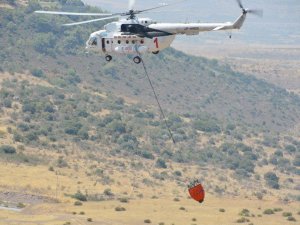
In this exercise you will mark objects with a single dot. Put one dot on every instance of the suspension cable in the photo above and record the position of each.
(157, 100)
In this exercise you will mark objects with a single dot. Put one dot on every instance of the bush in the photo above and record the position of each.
(124, 200)
(79, 196)
(207, 126)
(243, 220)
(108, 192)
(37, 73)
(7, 103)
(272, 180)
(78, 203)
(160, 163)
(291, 218)
(61, 163)
(287, 214)
(89, 219)
(290, 148)
(7, 149)
(245, 212)
(120, 209)
(21, 205)
(147, 221)
(222, 210)
(296, 161)
(177, 173)
(269, 211)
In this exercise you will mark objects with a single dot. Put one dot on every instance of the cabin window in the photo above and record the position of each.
(119, 42)
(93, 41)
(127, 42)
(146, 21)
(142, 41)
(107, 42)
(133, 42)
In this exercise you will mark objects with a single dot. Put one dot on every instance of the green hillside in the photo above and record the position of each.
(68, 97)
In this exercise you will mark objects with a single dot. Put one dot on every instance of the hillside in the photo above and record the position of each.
(72, 122)
(196, 86)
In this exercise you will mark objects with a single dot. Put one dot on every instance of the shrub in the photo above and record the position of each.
(147, 221)
(272, 180)
(108, 192)
(147, 155)
(207, 126)
(89, 219)
(177, 173)
(287, 214)
(21, 205)
(243, 220)
(124, 200)
(160, 163)
(61, 163)
(79, 196)
(7, 149)
(245, 212)
(222, 210)
(290, 148)
(78, 203)
(120, 209)
(269, 211)
(296, 161)
(291, 218)
(7, 103)
(37, 73)
(181, 208)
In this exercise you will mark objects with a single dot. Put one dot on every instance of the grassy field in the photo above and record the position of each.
(46, 200)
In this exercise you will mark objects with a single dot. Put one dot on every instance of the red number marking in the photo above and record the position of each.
(156, 42)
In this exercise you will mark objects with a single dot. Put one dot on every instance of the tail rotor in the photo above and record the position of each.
(257, 12)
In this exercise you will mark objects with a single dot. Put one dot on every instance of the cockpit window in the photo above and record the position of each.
(93, 41)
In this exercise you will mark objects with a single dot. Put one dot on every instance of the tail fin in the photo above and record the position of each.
(240, 21)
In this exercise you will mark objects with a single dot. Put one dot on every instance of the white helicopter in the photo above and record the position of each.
(135, 36)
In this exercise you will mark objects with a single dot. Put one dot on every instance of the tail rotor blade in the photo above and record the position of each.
(257, 12)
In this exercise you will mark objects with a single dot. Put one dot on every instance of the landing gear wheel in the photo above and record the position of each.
(108, 58)
(155, 53)
(137, 59)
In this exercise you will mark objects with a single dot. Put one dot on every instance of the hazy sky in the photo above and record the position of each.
(280, 24)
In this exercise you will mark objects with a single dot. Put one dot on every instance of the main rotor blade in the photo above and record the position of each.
(131, 4)
(257, 12)
(161, 6)
(90, 21)
(240, 4)
(73, 13)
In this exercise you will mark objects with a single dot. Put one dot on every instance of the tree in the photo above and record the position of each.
(272, 180)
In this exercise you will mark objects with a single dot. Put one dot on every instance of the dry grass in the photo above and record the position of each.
(38, 180)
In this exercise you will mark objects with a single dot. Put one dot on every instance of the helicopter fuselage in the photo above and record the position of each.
(112, 40)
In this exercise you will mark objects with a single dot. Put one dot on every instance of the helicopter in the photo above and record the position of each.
(135, 36)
